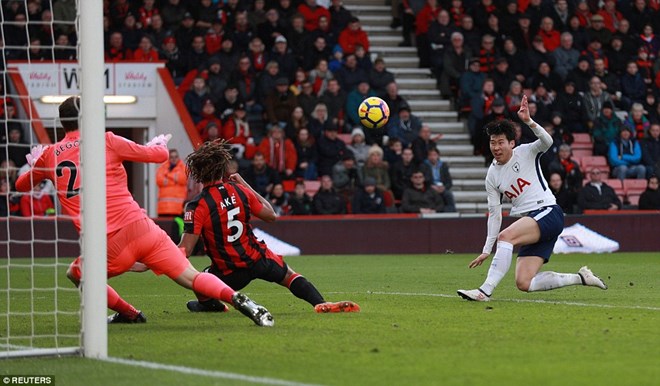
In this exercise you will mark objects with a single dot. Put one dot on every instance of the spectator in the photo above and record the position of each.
(130, 32)
(36, 203)
(392, 97)
(625, 156)
(567, 168)
(439, 40)
(569, 104)
(502, 76)
(368, 199)
(379, 77)
(186, 32)
(363, 59)
(208, 116)
(401, 172)
(284, 57)
(174, 59)
(261, 176)
(516, 59)
(236, 130)
(633, 87)
(146, 51)
(453, 65)
(566, 199)
(609, 81)
(327, 200)
(271, 28)
(340, 17)
(523, 34)
(279, 152)
(481, 106)
(423, 20)
(513, 96)
(318, 50)
(606, 129)
(308, 155)
(346, 177)
(597, 31)
(359, 147)
(611, 16)
(216, 79)
(581, 75)
(319, 77)
(651, 151)
(423, 143)
(545, 77)
(560, 14)
(597, 194)
(297, 37)
(331, 149)
(280, 103)
(173, 13)
(377, 168)
(350, 75)
(257, 54)
(418, 198)
(300, 202)
(279, 200)
(353, 35)
(650, 198)
(335, 100)
(617, 56)
(63, 49)
(471, 82)
(296, 122)
(535, 56)
(355, 97)
(637, 122)
(405, 126)
(592, 102)
(195, 98)
(439, 179)
(392, 153)
(471, 34)
(311, 11)
(228, 56)
(116, 51)
(172, 184)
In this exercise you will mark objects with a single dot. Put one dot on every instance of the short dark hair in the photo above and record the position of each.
(505, 127)
(69, 111)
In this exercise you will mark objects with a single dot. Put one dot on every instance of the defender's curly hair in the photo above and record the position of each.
(209, 162)
(504, 126)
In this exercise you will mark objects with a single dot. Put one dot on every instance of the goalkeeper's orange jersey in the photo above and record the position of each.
(60, 163)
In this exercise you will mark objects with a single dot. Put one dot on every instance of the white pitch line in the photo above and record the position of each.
(206, 373)
(557, 302)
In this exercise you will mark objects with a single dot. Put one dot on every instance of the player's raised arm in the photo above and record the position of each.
(38, 170)
(155, 151)
(523, 114)
(266, 213)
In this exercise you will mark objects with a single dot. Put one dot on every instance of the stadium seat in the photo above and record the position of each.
(634, 185)
(589, 162)
(633, 199)
(289, 185)
(582, 141)
(345, 137)
(311, 187)
(579, 153)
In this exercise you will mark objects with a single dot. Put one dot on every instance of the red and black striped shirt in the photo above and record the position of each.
(221, 215)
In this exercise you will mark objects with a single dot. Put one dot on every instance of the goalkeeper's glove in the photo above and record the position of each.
(34, 155)
(160, 140)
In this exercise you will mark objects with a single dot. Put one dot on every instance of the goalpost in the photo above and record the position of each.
(41, 312)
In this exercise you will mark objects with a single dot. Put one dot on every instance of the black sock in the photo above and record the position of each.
(305, 290)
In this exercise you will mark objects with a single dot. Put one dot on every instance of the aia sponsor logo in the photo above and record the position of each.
(514, 191)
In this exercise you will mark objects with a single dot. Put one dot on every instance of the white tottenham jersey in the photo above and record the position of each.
(520, 180)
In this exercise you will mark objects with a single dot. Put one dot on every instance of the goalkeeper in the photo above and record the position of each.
(132, 236)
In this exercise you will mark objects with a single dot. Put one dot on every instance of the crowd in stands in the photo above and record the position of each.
(281, 81)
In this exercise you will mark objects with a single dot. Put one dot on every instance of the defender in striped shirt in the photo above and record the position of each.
(221, 215)
(515, 174)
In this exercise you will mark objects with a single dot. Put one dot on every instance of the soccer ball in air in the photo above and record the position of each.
(373, 113)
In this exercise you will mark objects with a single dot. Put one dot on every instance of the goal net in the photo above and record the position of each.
(41, 312)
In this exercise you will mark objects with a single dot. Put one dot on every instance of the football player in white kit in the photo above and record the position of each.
(516, 174)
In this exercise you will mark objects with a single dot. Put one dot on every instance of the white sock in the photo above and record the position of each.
(498, 267)
(547, 280)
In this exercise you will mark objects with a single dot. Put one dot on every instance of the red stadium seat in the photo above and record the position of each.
(582, 141)
(633, 199)
(345, 137)
(587, 163)
(289, 185)
(579, 153)
(632, 185)
(311, 187)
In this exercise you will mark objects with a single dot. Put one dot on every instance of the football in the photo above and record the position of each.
(373, 113)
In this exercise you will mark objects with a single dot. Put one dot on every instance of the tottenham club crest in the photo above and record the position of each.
(516, 167)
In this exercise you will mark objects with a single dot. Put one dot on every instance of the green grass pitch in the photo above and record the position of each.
(413, 329)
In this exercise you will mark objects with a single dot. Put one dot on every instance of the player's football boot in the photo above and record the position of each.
(475, 295)
(211, 305)
(588, 278)
(343, 306)
(259, 314)
(119, 318)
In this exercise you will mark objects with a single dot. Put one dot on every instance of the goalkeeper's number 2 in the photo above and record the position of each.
(73, 173)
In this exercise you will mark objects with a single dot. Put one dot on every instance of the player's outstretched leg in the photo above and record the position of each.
(259, 314)
(304, 289)
(208, 305)
(343, 306)
(589, 279)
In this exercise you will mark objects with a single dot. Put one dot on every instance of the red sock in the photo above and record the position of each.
(208, 285)
(117, 304)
